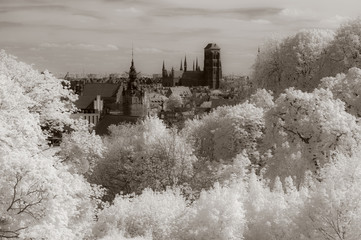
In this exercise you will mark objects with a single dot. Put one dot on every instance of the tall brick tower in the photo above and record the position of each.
(212, 65)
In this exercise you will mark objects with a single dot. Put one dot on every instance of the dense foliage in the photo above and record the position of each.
(302, 60)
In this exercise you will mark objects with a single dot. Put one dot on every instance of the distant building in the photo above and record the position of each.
(89, 109)
(182, 91)
(210, 76)
(133, 96)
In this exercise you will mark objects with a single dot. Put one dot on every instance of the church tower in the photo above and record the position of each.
(212, 65)
(132, 83)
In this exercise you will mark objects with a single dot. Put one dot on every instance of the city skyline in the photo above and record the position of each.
(96, 36)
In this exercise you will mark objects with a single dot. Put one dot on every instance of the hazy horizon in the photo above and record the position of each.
(96, 36)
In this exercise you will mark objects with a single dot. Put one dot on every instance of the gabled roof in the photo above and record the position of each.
(102, 89)
(212, 46)
(193, 75)
(83, 102)
(180, 90)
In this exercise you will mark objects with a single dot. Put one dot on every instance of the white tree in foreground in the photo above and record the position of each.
(144, 155)
(303, 129)
(39, 197)
(333, 209)
(49, 98)
(346, 87)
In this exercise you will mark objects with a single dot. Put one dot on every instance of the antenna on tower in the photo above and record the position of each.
(132, 55)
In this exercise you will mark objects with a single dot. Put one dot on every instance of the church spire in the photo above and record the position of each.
(132, 71)
(181, 66)
(197, 67)
(193, 66)
(185, 63)
(132, 56)
(164, 72)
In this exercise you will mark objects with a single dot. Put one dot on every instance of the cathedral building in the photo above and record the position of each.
(210, 76)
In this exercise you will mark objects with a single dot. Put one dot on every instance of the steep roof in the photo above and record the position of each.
(193, 75)
(180, 90)
(212, 46)
(83, 102)
(102, 89)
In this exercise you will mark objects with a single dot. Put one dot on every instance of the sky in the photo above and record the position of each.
(96, 36)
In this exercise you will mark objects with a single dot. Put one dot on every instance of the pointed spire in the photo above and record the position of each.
(132, 56)
(193, 66)
(181, 66)
(185, 63)
(132, 71)
(163, 66)
(197, 64)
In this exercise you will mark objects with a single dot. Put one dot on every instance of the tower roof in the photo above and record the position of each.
(132, 71)
(212, 46)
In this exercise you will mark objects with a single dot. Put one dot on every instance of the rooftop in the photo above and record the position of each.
(212, 46)
(102, 89)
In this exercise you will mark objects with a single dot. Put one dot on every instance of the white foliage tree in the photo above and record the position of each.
(39, 198)
(81, 149)
(144, 155)
(50, 98)
(304, 128)
(345, 51)
(346, 87)
(333, 208)
(295, 61)
(226, 132)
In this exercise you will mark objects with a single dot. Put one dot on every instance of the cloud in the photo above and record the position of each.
(261, 21)
(292, 12)
(4, 24)
(130, 10)
(81, 46)
(50, 8)
(335, 21)
(147, 50)
(243, 13)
